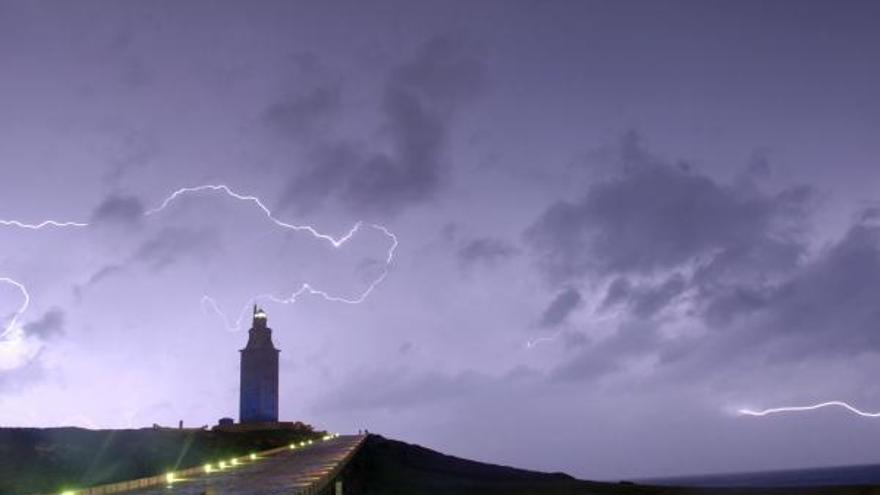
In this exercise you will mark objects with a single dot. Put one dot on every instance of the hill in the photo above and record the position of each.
(49, 460)
(390, 467)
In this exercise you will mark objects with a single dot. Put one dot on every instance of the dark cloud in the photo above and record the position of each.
(332, 168)
(655, 216)
(643, 300)
(484, 250)
(825, 308)
(103, 273)
(732, 257)
(124, 210)
(47, 326)
(830, 306)
(561, 306)
(419, 100)
(592, 362)
(99, 275)
(632, 339)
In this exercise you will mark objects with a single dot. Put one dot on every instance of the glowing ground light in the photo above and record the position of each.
(253, 457)
(234, 462)
(222, 464)
(169, 478)
(208, 468)
(833, 403)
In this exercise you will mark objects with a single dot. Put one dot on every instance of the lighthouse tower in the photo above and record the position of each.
(258, 402)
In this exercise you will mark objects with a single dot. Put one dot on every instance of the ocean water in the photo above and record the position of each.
(843, 475)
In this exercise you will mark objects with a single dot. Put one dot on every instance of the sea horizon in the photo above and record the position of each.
(857, 474)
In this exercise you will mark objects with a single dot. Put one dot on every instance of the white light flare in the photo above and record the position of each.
(833, 403)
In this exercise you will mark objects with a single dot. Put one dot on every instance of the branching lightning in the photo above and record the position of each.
(305, 288)
(833, 403)
(207, 301)
(26, 298)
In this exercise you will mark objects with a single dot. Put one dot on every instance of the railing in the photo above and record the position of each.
(171, 477)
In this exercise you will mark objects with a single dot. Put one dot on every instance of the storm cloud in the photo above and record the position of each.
(47, 326)
(419, 101)
(564, 303)
(119, 210)
(484, 250)
(679, 248)
(656, 216)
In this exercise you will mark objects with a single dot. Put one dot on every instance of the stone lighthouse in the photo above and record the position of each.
(258, 401)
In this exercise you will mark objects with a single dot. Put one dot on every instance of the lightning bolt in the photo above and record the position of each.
(531, 343)
(26, 301)
(335, 242)
(43, 224)
(207, 301)
(833, 403)
(26, 298)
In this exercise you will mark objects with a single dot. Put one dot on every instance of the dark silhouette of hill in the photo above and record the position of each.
(48, 460)
(390, 467)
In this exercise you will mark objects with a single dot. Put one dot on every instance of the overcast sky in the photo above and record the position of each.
(610, 224)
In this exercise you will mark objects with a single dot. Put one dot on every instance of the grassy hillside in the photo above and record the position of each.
(45, 460)
(389, 467)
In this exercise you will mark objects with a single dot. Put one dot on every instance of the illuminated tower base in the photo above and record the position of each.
(258, 402)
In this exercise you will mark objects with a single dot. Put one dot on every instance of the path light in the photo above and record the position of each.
(253, 457)
(68, 492)
(234, 462)
(292, 446)
(169, 478)
(208, 468)
(222, 464)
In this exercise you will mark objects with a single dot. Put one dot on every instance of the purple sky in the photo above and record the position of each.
(618, 222)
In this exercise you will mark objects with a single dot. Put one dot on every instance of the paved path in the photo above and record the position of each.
(282, 473)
